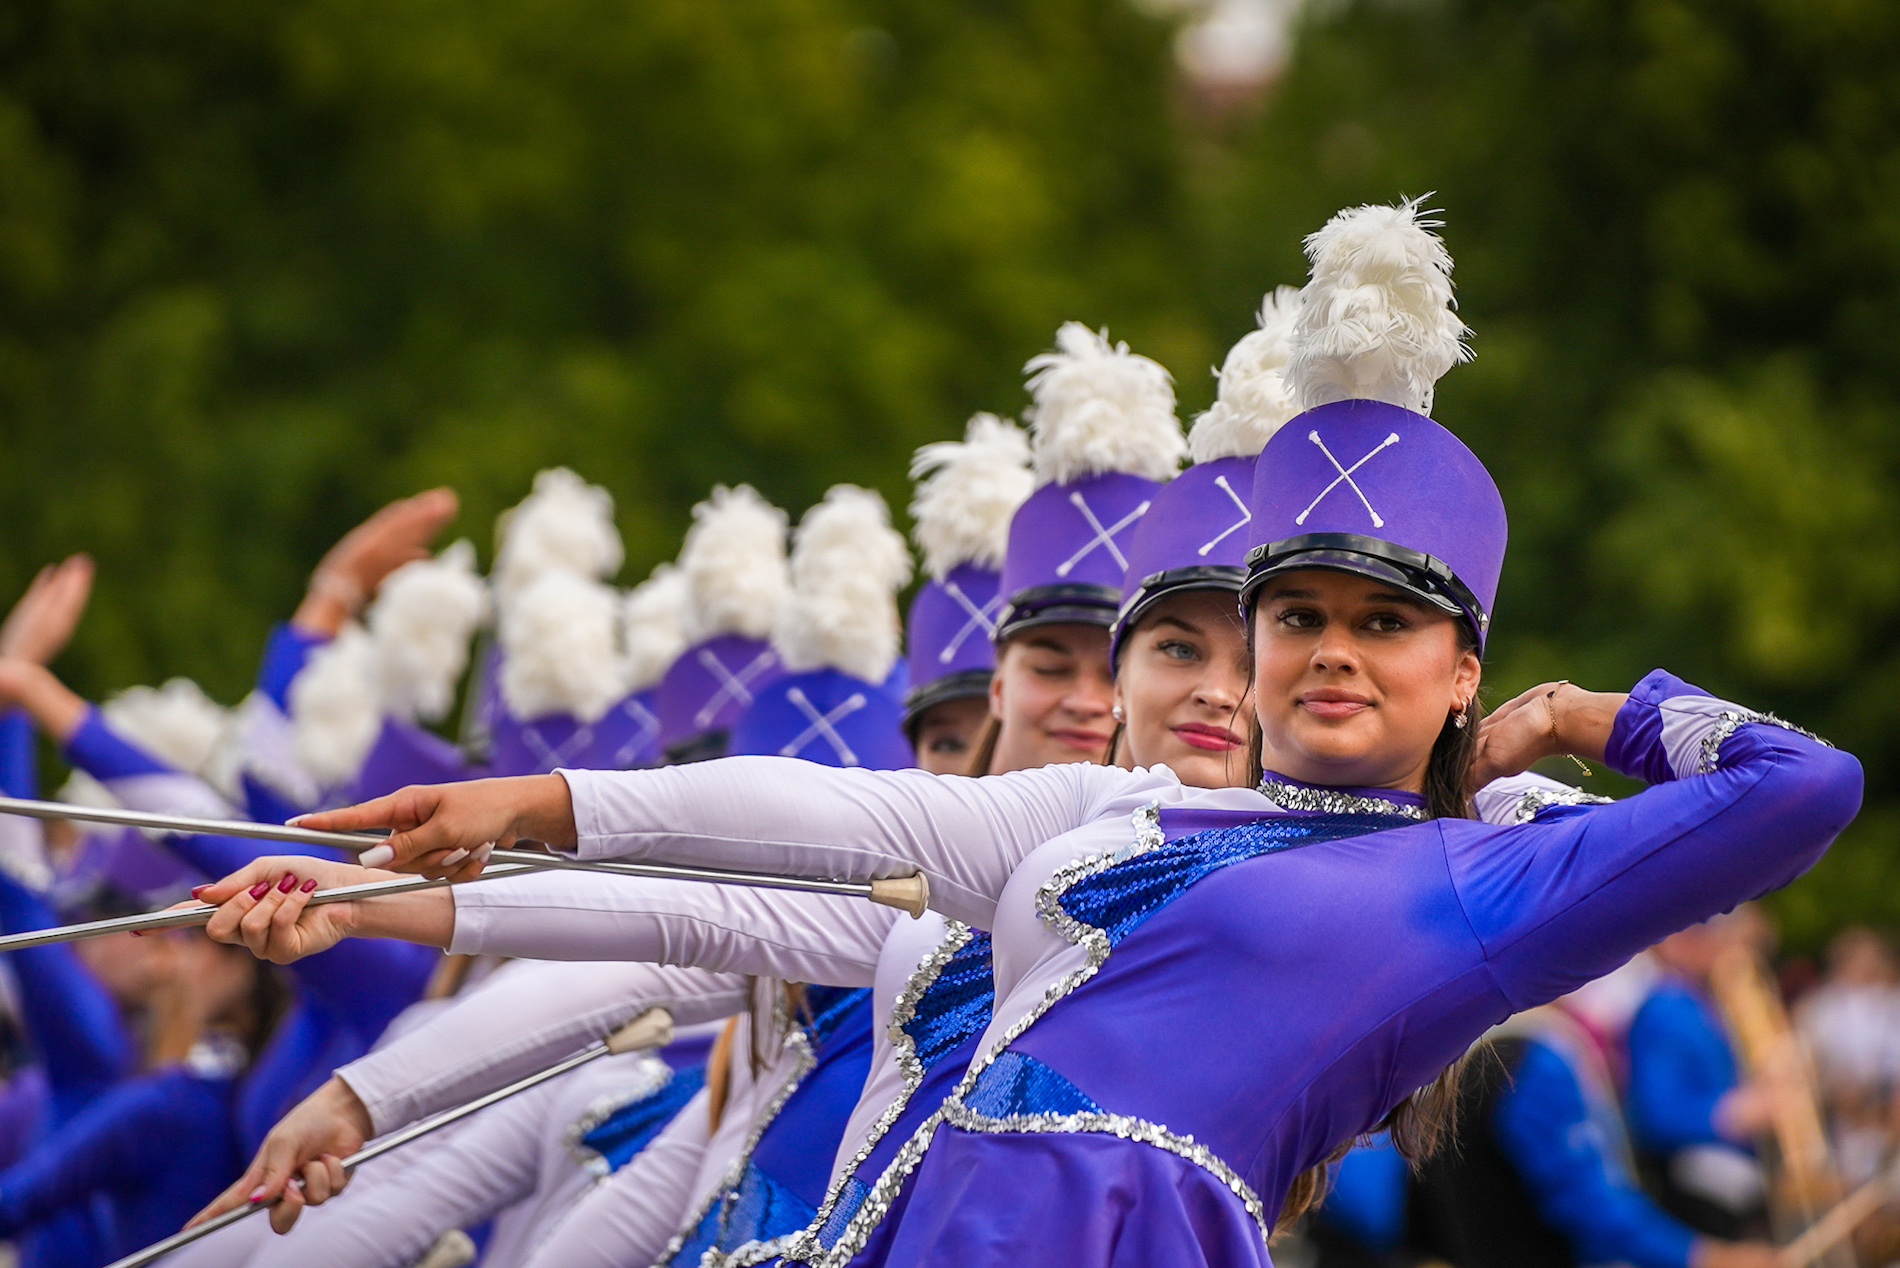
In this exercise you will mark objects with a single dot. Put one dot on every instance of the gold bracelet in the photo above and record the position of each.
(1550, 708)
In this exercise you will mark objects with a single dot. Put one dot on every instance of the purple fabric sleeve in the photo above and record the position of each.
(104, 754)
(74, 1024)
(111, 1149)
(19, 764)
(23, 1111)
(285, 653)
(1588, 891)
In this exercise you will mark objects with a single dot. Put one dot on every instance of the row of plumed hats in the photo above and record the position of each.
(1087, 517)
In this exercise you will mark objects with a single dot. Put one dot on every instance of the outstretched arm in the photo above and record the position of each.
(770, 813)
(522, 1019)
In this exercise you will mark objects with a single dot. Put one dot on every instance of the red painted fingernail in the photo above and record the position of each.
(310, 885)
(288, 883)
(260, 889)
(257, 1194)
(199, 889)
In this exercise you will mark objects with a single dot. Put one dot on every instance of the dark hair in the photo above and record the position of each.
(1422, 1122)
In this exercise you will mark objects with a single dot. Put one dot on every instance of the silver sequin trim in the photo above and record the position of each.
(1332, 802)
(1732, 720)
(1538, 800)
(728, 1189)
(605, 1107)
(804, 1245)
(1094, 941)
(1135, 1129)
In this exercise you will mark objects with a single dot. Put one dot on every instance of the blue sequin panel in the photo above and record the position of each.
(1016, 1084)
(850, 1201)
(1118, 899)
(629, 1129)
(828, 1007)
(956, 1006)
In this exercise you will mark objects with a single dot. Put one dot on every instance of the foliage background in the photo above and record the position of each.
(263, 267)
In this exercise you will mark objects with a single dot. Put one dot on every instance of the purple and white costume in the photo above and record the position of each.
(1079, 1133)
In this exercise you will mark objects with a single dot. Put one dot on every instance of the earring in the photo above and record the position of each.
(1460, 718)
(1116, 713)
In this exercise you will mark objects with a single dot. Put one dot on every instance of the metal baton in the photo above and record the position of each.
(650, 1029)
(909, 894)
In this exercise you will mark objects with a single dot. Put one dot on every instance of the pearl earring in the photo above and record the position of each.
(1116, 713)
(1461, 717)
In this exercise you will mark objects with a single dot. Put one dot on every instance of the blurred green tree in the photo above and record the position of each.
(264, 267)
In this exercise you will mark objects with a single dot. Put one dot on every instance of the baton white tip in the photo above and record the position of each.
(651, 1029)
(906, 893)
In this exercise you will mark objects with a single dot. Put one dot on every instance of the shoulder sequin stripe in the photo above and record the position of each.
(729, 1183)
(804, 1245)
(604, 1108)
(1732, 720)
(1332, 802)
(1538, 800)
(877, 1204)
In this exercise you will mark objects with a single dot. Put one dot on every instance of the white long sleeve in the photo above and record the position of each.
(523, 1018)
(817, 938)
(629, 1217)
(512, 1152)
(798, 818)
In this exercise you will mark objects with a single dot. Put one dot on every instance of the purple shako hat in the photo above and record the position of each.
(826, 716)
(1194, 537)
(121, 868)
(1104, 436)
(623, 738)
(707, 691)
(1374, 489)
(404, 754)
(1068, 551)
(951, 624)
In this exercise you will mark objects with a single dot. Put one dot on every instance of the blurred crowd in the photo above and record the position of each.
(1692, 1093)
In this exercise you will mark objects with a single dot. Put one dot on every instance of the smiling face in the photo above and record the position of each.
(1183, 689)
(1354, 679)
(1052, 694)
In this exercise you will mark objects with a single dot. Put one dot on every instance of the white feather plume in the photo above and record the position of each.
(967, 492)
(560, 643)
(421, 623)
(848, 564)
(176, 723)
(336, 710)
(734, 561)
(654, 619)
(1378, 320)
(564, 525)
(1100, 408)
(1254, 400)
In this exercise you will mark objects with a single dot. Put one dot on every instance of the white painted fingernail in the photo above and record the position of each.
(455, 856)
(377, 855)
(483, 851)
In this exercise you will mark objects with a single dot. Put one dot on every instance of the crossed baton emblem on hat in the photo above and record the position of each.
(1246, 516)
(981, 618)
(1104, 537)
(551, 757)
(824, 724)
(1345, 477)
(646, 726)
(732, 687)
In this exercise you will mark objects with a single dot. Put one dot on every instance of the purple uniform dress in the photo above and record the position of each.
(1202, 993)
(1316, 984)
